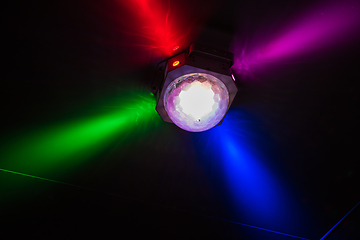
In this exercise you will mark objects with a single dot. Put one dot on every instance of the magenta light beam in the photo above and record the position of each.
(320, 29)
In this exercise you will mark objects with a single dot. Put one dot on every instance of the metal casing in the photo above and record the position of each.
(199, 59)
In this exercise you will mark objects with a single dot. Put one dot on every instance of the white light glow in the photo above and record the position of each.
(196, 102)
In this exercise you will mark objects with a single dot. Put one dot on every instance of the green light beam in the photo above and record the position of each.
(32, 176)
(52, 152)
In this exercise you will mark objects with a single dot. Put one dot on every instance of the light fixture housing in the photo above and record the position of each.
(195, 88)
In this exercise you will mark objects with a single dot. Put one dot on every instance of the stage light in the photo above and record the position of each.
(196, 102)
(195, 88)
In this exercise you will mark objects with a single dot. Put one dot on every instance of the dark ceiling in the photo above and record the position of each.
(83, 152)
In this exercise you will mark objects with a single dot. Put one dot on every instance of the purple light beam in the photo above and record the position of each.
(327, 25)
(318, 29)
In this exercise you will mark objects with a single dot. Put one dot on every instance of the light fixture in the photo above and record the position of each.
(195, 89)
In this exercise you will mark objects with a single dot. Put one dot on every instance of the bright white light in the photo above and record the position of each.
(197, 99)
(196, 102)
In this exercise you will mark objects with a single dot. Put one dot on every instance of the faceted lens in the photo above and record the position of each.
(196, 102)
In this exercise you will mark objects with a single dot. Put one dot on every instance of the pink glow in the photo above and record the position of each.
(322, 28)
(316, 30)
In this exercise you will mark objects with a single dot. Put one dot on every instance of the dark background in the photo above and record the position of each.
(301, 116)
